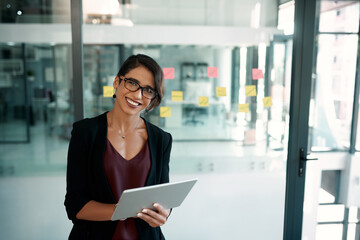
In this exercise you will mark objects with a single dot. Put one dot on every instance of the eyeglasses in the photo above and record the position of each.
(133, 86)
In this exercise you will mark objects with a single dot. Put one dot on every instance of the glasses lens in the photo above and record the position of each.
(148, 93)
(131, 85)
(134, 86)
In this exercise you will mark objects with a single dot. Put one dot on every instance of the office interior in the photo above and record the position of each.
(237, 145)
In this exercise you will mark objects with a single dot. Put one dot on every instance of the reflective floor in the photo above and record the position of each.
(238, 186)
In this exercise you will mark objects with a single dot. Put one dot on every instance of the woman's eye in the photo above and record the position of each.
(132, 83)
(148, 90)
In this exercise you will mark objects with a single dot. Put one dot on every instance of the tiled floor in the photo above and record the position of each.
(240, 190)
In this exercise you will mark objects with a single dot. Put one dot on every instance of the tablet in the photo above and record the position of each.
(169, 195)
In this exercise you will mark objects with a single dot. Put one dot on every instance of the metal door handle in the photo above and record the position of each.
(303, 158)
(306, 157)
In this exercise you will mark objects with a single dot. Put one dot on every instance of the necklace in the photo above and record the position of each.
(123, 136)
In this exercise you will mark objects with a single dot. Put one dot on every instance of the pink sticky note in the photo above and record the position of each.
(169, 73)
(212, 72)
(257, 74)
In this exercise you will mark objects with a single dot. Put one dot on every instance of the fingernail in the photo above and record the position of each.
(139, 215)
(144, 211)
(156, 205)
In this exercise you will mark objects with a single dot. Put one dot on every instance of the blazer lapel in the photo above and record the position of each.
(99, 149)
(152, 141)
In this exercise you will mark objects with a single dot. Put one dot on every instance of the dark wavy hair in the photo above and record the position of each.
(135, 61)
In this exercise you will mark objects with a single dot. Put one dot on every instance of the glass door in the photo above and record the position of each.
(331, 210)
(14, 107)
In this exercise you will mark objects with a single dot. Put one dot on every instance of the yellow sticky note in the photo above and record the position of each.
(203, 101)
(220, 91)
(177, 96)
(244, 108)
(267, 101)
(108, 91)
(250, 90)
(165, 112)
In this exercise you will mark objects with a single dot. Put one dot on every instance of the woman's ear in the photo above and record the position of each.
(116, 82)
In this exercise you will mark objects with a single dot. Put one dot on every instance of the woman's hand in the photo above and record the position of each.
(154, 218)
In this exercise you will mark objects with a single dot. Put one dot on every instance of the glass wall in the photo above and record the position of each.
(329, 187)
(35, 107)
(226, 105)
(14, 122)
(51, 11)
(333, 81)
(36, 115)
(228, 69)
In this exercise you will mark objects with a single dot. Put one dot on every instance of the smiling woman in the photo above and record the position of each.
(119, 150)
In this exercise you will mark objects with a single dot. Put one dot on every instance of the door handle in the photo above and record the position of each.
(303, 158)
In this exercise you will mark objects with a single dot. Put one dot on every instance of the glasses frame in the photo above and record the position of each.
(139, 87)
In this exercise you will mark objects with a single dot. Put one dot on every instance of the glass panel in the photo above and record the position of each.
(329, 180)
(14, 122)
(101, 65)
(236, 151)
(339, 16)
(331, 105)
(50, 11)
(329, 232)
(48, 83)
(181, 12)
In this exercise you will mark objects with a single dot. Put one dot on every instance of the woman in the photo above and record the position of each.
(115, 151)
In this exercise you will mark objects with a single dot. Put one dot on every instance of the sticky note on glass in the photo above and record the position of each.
(169, 73)
(212, 72)
(108, 91)
(267, 101)
(250, 90)
(165, 112)
(177, 96)
(244, 108)
(220, 91)
(257, 74)
(203, 101)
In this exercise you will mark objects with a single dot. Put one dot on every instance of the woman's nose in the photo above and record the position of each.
(138, 93)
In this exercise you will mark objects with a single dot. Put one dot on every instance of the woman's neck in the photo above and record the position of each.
(123, 122)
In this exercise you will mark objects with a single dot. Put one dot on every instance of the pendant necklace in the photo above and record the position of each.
(123, 136)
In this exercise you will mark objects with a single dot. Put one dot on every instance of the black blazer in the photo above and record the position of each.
(86, 178)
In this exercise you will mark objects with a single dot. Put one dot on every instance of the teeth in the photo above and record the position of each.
(132, 102)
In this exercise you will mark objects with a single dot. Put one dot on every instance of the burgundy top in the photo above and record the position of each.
(125, 174)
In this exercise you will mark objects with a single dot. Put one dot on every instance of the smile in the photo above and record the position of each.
(132, 102)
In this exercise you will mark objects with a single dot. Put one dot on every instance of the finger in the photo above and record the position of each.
(156, 215)
(161, 210)
(147, 216)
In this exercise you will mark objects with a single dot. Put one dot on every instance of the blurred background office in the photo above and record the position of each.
(240, 156)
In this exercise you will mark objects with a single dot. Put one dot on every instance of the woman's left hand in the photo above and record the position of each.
(154, 218)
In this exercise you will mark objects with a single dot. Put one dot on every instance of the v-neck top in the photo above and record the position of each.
(125, 174)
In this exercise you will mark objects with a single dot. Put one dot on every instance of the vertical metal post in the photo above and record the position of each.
(235, 79)
(26, 89)
(252, 62)
(357, 229)
(355, 116)
(346, 223)
(299, 115)
(77, 59)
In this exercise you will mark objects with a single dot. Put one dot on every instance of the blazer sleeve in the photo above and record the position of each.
(76, 177)
(166, 158)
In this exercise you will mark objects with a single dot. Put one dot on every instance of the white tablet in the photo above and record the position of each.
(169, 195)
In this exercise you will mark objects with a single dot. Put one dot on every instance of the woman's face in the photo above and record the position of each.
(133, 102)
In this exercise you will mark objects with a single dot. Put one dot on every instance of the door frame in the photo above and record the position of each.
(301, 78)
